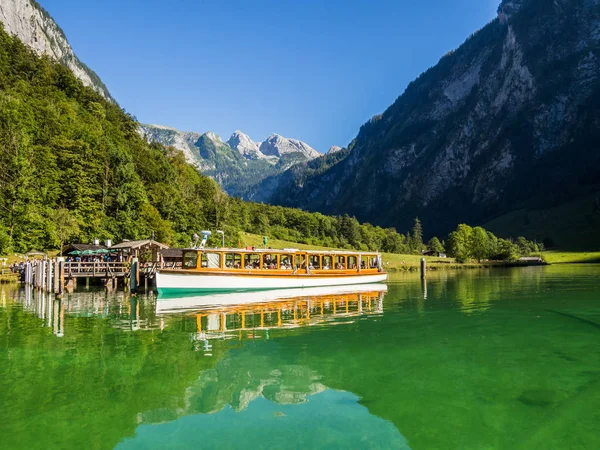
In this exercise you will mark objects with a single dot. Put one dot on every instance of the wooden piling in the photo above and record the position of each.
(133, 275)
(50, 276)
(36, 274)
(423, 268)
(28, 272)
(59, 285)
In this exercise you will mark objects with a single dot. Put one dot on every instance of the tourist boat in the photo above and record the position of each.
(222, 270)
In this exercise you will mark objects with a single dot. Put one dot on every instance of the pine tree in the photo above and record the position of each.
(417, 237)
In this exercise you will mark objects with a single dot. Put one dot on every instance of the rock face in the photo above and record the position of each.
(508, 121)
(173, 138)
(277, 145)
(28, 21)
(334, 149)
(238, 164)
(244, 145)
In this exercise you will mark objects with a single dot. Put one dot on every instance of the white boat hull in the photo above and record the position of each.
(174, 282)
(192, 303)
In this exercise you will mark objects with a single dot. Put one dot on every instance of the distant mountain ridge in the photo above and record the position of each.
(238, 164)
(32, 24)
(509, 121)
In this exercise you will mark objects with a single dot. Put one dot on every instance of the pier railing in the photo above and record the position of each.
(95, 269)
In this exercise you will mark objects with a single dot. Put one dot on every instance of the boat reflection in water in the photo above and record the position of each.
(252, 314)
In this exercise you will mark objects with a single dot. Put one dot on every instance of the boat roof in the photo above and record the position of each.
(286, 250)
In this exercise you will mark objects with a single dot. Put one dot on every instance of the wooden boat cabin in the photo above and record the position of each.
(286, 261)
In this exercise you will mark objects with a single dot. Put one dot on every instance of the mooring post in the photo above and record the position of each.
(59, 276)
(423, 268)
(49, 276)
(36, 275)
(133, 274)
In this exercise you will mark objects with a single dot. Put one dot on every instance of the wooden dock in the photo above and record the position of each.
(58, 276)
(96, 269)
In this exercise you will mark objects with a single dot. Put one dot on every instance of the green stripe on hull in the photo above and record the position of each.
(179, 292)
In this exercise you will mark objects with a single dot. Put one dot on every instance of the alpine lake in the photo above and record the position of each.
(473, 359)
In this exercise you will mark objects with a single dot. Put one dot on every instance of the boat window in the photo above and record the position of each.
(352, 262)
(211, 260)
(327, 265)
(372, 262)
(314, 262)
(190, 260)
(286, 262)
(251, 261)
(270, 261)
(233, 260)
(300, 262)
(340, 262)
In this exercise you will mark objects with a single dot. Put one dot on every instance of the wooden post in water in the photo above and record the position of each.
(133, 275)
(28, 273)
(423, 268)
(36, 282)
(45, 273)
(50, 276)
(59, 284)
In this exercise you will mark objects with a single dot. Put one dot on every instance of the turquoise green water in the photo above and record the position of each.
(500, 359)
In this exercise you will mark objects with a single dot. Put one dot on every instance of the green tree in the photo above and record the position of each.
(65, 227)
(435, 245)
(507, 251)
(479, 245)
(459, 243)
(417, 237)
(4, 240)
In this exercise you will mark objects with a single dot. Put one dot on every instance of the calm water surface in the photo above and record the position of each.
(502, 359)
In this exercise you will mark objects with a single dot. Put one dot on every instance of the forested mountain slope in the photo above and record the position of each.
(509, 121)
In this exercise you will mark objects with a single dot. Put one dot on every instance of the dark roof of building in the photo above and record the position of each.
(81, 247)
(138, 244)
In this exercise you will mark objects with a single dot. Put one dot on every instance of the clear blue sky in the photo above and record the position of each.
(307, 69)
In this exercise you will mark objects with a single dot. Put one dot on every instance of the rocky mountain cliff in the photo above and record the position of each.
(245, 146)
(276, 145)
(238, 164)
(508, 121)
(29, 22)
